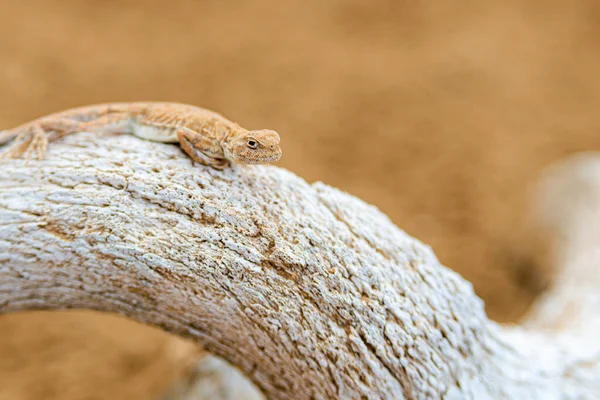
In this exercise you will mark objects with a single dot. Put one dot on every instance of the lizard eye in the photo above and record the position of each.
(253, 144)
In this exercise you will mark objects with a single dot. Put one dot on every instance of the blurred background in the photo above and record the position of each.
(440, 113)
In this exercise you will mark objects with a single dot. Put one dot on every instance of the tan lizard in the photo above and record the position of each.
(207, 137)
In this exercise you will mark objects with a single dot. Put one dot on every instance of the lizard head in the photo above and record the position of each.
(255, 147)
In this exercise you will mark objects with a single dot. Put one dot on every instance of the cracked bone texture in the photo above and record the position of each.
(310, 292)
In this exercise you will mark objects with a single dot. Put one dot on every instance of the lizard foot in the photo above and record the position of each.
(34, 139)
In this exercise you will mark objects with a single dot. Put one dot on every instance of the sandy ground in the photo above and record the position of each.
(440, 113)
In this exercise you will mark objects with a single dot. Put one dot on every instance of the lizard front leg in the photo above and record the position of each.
(202, 149)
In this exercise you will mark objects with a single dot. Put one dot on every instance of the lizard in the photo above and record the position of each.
(205, 136)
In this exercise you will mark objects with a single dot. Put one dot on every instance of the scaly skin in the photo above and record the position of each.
(207, 137)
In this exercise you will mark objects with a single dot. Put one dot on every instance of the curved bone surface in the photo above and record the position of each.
(310, 292)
